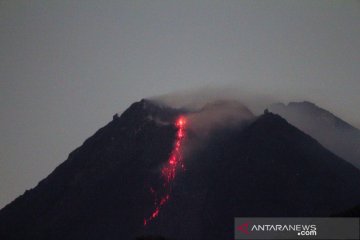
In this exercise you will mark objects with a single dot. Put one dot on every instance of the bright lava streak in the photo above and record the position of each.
(169, 170)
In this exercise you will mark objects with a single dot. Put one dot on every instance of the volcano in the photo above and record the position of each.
(262, 167)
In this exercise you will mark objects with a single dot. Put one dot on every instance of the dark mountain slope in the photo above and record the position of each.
(331, 131)
(98, 192)
(270, 168)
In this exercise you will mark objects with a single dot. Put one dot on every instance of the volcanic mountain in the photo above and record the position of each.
(116, 180)
(331, 131)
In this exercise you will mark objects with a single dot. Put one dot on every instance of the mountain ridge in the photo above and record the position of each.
(331, 131)
(268, 168)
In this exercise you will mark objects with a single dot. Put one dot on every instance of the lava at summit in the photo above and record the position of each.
(169, 170)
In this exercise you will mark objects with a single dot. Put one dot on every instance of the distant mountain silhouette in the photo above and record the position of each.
(269, 168)
(331, 131)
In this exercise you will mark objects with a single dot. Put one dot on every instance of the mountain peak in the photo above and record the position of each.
(330, 130)
(148, 109)
(306, 108)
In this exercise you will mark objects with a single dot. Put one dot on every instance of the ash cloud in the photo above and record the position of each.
(213, 116)
(218, 114)
(209, 110)
(215, 107)
(212, 108)
(195, 100)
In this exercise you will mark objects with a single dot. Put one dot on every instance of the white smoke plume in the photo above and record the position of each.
(196, 99)
(216, 107)
(218, 114)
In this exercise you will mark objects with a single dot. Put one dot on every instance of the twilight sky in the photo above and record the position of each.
(67, 66)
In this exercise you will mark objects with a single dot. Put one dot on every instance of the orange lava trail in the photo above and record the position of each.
(169, 170)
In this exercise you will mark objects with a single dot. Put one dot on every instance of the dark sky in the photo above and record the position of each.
(67, 66)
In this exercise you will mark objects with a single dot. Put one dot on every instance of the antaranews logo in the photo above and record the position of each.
(244, 228)
(297, 228)
(302, 230)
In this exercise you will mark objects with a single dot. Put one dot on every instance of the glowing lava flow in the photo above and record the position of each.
(168, 172)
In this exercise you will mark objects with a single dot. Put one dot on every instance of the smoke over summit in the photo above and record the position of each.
(196, 99)
(219, 114)
(213, 108)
